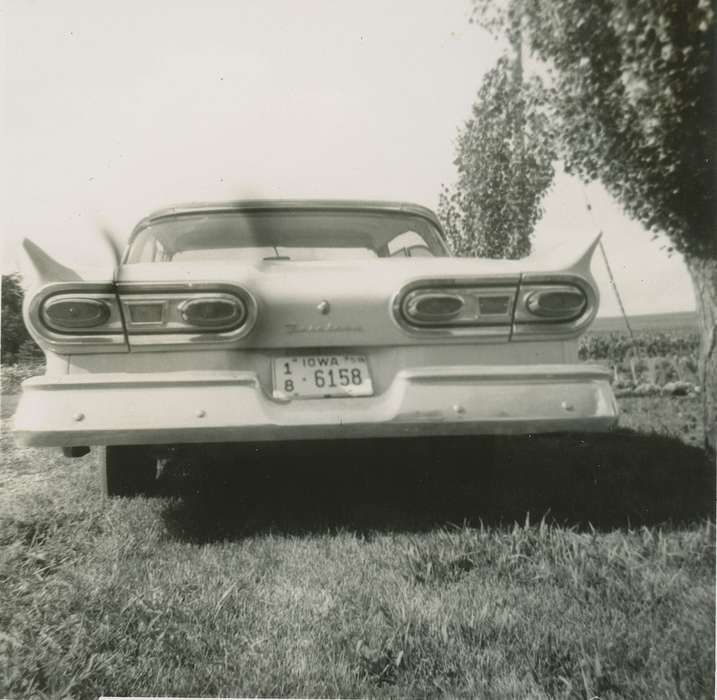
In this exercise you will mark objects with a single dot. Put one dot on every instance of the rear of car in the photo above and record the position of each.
(263, 321)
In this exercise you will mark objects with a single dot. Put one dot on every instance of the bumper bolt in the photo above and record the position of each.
(78, 417)
(459, 409)
(567, 406)
(201, 413)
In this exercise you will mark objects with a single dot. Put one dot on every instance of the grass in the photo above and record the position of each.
(576, 566)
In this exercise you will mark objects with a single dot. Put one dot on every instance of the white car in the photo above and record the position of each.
(255, 321)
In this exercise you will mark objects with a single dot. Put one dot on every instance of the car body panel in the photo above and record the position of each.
(231, 406)
(360, 295)
(163, 388)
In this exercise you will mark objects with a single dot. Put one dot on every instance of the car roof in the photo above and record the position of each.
(288, 204)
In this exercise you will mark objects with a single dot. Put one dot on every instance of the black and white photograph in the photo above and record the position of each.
(358, 350)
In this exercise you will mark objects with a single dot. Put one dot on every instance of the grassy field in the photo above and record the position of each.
(573, 567)
(677, 320)
(661, 356)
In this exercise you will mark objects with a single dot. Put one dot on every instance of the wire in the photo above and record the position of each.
(613, 283)
(617, 293)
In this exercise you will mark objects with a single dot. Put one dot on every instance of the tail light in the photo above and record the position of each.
(70, 318)
(213, 312)
(201, 313)
(69, 314)
(456, 309)
(553, 307)
(534, 307)
(85, 318)
(429, 307)
(561, 303)
(162, 313)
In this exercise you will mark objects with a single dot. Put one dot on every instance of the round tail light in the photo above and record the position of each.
(75, 314)
(432, 307)
(557, 304)
(213, 312)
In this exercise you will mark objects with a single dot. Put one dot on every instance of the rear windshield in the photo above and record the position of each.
(286, 235)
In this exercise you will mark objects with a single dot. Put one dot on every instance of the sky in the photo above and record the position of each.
(113, 109)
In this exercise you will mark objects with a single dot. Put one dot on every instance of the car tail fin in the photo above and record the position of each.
(44, 269)
(567, 257)
(70, 310)
(558, 296)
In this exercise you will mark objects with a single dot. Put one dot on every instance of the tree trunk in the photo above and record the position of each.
(704, 277)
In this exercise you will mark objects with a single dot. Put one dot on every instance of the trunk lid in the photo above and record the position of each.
(323, 303)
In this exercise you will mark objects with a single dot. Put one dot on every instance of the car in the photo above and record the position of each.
(260, 321)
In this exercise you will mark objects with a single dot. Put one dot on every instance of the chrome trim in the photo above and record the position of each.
(489, 326)
(527, 327)
(250, 205)
(102, 307)
(204, 406)
(173, 320)
(532, 303)
(175, 334)
(234, 318)
(111, 338)
(153, 380)
(418, 317)
(127, 306)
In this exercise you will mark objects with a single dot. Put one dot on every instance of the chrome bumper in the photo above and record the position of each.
(227, 406)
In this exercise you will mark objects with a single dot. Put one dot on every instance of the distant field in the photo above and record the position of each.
(663, 349)
(656, 322)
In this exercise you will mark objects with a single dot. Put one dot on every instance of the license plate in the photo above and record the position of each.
(319, 376)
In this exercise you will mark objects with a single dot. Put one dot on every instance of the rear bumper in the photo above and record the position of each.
(228, 406)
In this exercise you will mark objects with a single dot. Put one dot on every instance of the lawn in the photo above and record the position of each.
(563, 567)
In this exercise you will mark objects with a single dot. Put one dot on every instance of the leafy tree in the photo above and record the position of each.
(15, 341)
(504, 161)
(631, 89)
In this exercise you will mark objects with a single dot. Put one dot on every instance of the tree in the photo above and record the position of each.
(630, 86)
(504, 161)
(15, 341)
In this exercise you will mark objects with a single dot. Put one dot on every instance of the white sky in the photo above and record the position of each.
(112, 109)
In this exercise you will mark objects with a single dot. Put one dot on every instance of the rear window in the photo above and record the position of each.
(286, 235)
